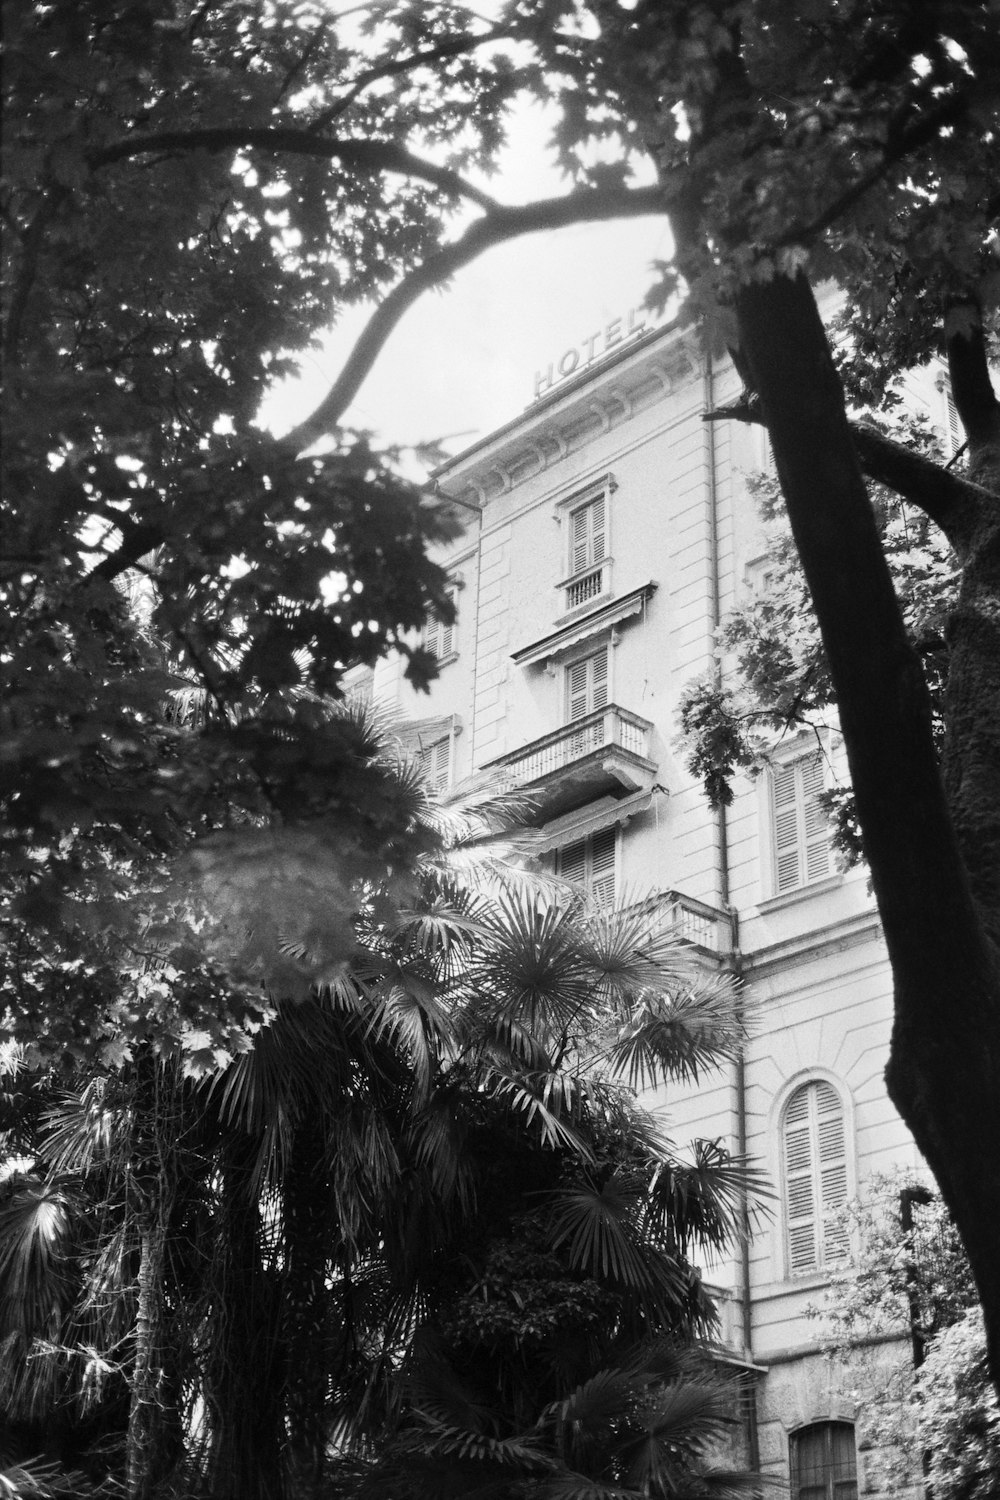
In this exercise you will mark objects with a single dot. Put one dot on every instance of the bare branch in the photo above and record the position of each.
(499, 226)
(370, 156)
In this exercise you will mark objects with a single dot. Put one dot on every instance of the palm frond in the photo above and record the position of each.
(676, 1037)
(518, 1095)
(36, 1232)
(597, 1225)
(710, 1201)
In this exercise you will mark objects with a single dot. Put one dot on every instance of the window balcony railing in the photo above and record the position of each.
(689, 920)
(607, 751)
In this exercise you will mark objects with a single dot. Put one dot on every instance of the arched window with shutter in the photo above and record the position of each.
(815, 1177)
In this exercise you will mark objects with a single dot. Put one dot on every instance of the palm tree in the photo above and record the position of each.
(260, 1263)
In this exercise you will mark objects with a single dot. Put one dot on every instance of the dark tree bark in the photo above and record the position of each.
(931, 843)
(245, 1378)
(310, 1238)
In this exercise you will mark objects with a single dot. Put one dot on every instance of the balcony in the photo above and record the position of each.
(706, 928)
(605, 752)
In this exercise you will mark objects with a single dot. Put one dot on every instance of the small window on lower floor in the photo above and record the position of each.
(824, 1463)
(590, 864)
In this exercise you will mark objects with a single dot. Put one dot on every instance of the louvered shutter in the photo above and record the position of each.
(786, 828)
(438, 638)
(598, 530)
(581, 540)
(587, 685)
(436, 761)
(602, 869)
(599, 680)
(815, 1153)
(588, 535)
(816, 838)
(832, 1154)
(956, 435)
(801, 838)
(577, 690)
(573, 863)
(800, 1205)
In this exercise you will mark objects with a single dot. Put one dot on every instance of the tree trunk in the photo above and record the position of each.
(143, 1416)
(310, 1239)
(245, 1377)
(944, 1066)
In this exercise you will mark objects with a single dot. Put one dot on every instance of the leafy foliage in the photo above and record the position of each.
(776, 679)
(912, 1284)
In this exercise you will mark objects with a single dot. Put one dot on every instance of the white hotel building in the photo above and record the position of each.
(609, 531)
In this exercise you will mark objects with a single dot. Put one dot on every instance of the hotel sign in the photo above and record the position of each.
(618, 331)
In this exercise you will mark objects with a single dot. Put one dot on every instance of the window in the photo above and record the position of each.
(799, 827)
(590, 864)
(814, 1148)
(587, 685)
(588, 561)
(435, 761)
(824, 1462)
(438, 638)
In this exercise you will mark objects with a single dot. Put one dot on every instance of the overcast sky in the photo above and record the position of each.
(463, 360)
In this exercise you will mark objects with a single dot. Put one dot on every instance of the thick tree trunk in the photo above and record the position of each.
(310, 1239)
(944, 1068)
(245, 1378)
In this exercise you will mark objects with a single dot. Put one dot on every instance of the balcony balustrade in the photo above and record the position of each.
(607, 751)
(705, 927)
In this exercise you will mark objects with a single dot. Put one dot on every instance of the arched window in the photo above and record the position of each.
(823, 1462)
(814, 1151)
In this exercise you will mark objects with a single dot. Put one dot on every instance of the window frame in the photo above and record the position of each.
(830, 1250)
(438, 639)
(597, 560)
(438, 780)
(612, 835)
(808, 839)
(597, 691)
(834, 1487)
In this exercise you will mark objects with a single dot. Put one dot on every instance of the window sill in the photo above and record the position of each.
(445, 661)
(800, 893)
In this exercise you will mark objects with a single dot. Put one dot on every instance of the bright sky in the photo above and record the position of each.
(462, 361)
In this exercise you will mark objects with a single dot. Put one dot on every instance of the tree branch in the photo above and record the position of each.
(372, 156)
(499, 226)
(396, 66)
(951, 501)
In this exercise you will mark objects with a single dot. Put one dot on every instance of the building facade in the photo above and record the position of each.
(609, 531)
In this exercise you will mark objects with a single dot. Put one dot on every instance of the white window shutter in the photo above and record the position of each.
(815, 1169)
(590, 864)
(598, 530)
(436, 762)
(588, 535)
(599, 679)
(786, 828)
(581, 540)
(577, 682)
(801, 836)
(587, 685)
(602, 868)
(815, 835)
